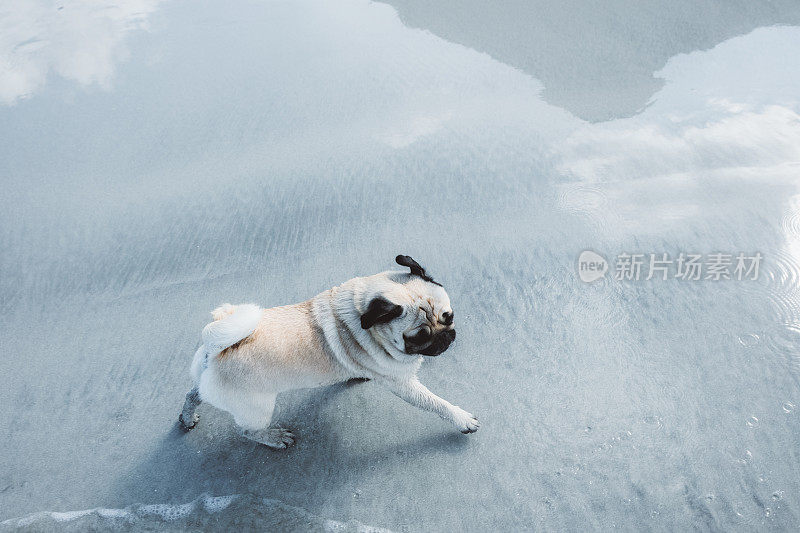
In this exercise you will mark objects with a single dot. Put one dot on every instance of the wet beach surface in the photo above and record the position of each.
(160, 159)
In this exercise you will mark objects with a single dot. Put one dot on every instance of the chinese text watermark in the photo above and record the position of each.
(661, 266)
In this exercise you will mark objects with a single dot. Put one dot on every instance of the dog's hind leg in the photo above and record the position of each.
(188, 418)
(254, 419)
(278, 438)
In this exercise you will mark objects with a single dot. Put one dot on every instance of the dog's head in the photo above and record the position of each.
(410, 312)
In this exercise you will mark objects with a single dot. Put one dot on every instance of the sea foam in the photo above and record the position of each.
(205, 512)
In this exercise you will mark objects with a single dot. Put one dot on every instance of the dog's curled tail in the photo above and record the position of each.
(231, 324)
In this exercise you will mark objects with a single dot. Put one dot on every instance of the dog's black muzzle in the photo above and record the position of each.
(440, 343)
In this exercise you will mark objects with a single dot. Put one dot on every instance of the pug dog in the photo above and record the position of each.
(375, 327)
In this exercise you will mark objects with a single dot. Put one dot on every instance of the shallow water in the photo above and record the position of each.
(161, 158)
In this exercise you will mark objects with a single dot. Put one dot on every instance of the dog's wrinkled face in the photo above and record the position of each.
(433, 329)
(414, 314)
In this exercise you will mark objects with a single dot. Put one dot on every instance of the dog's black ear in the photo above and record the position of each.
(380, 311)
(408, 261)
(416, 268)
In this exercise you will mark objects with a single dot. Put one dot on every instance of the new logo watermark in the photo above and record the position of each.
(660, 266)
(591, 266)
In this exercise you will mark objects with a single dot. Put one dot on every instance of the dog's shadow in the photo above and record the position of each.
(334, 457)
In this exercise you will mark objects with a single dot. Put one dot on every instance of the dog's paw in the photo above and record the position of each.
(466, 422)
(184, 425)
(277, 438)
(280, 438)
(471, 426)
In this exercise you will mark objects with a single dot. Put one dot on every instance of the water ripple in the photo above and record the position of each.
(780, 281)
(784, 340)
(791, 224)
(748, 340)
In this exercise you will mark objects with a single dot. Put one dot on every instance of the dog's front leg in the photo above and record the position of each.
(418, 395)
